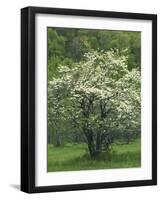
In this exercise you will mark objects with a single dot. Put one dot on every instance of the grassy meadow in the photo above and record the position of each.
(72, 157)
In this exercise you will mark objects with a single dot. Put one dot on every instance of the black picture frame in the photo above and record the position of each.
(28, 98)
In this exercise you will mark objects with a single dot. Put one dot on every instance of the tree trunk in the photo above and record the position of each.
(93, 147)
(98, 144)
(57, 139)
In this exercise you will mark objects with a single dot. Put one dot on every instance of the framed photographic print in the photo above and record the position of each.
(88, 99)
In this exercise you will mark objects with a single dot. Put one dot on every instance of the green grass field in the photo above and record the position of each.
(75, 157)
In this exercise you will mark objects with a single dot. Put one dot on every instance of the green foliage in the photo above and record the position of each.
(67, 45)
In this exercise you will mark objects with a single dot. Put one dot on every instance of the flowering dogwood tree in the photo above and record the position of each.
(97, 96)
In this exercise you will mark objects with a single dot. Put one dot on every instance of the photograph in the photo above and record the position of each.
(89, 99)
(93, 99)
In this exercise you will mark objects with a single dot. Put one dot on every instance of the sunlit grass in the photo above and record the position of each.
(75, 157)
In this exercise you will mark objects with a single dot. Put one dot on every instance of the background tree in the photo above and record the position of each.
(67, 46)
